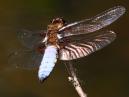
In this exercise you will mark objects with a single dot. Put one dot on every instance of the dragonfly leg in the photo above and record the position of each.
(41, 48)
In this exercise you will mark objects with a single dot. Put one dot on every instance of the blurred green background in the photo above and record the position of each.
(103, 74)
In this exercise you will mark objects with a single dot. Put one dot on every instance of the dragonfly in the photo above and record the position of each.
(62, 41)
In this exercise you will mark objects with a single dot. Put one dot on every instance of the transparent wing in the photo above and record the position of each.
(83, 45)
(25, 59)
(94, 23)
(31, 39)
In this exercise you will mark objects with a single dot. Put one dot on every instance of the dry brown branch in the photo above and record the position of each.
(74, 80)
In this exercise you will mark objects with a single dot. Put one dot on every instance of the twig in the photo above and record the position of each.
(74, 80)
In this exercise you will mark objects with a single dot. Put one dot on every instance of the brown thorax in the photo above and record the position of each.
(53, 29)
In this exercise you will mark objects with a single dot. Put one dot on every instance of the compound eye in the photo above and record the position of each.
(56, 21)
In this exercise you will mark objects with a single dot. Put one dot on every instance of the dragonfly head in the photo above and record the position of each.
(56, 24)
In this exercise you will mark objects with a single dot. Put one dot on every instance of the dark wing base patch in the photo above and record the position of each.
(83, 47)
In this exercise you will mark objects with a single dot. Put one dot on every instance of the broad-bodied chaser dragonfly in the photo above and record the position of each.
(64, 41)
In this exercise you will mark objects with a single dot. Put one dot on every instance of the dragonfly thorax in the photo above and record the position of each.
(53, 29)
